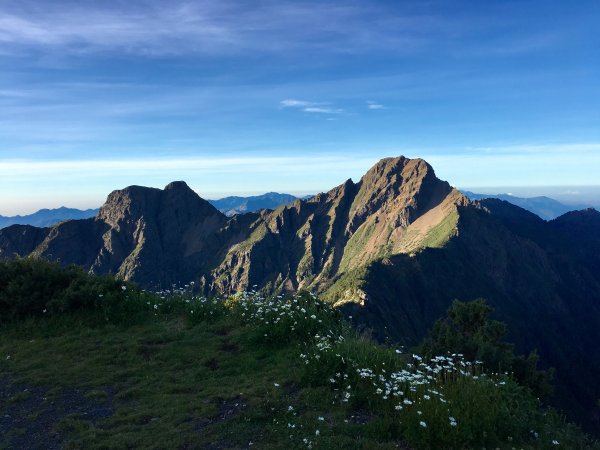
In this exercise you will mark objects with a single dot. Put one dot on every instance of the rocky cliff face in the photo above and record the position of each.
(156, 237)
(396, 207)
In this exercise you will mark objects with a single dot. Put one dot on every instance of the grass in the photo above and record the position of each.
(439, 235)
(171, 384)
(356, 245)
(165, 377)
(191, 372)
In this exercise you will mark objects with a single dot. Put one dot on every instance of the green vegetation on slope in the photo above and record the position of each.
(356, 247)
(191, 372)
(439, 235)
(469, 330)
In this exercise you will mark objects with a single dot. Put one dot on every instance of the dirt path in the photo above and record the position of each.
(29, 415)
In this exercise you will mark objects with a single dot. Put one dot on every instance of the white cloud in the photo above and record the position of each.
(30, 184)
(311, 107)
(292, 103)
(14, 93)
(374, 105)
(157, 30)
(323, 110)
(203, 26)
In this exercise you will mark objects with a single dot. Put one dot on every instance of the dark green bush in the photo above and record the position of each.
(468, 330)
(32, 287)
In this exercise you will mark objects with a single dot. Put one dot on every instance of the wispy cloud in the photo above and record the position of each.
(374, 105)
(323, 110)
(13, 93)
(152, 30)
(44, 182)
(154, 27)
(292, 103)
(311, 107)
(205, 26)
(234, 164)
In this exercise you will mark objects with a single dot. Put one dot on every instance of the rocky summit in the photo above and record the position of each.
(392, 250)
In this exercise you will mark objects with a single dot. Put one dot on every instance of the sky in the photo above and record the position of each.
(241, 98)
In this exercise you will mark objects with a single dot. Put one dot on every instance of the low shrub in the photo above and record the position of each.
(32, 287)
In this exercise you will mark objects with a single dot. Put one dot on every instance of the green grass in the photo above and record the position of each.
(173, 384)
(189, 372)
(349, 282)
(355, 247)
(180, 382)
(439, 235)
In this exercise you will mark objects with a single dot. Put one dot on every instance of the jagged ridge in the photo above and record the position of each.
(394, 208)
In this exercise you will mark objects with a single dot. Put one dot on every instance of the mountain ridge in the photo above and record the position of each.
(46, 217)
(545, 207)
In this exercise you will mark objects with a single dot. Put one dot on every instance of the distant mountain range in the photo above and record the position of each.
(48, 217)
(239, 205)
(392, 250)
(545, 207)
(227, 205)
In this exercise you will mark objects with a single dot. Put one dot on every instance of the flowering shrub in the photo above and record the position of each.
(282, 319)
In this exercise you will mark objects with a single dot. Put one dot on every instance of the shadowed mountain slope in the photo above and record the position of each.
(20, 240)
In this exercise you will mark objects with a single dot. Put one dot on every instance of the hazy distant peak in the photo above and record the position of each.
(545, 207)
(238, 205)
(47, 217)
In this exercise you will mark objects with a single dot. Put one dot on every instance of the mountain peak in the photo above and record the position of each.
(177, 185)
(395, 172)
(407, 186)
(397, 164)
(133, 202)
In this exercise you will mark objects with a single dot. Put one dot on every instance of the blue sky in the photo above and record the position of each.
(293, 96)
